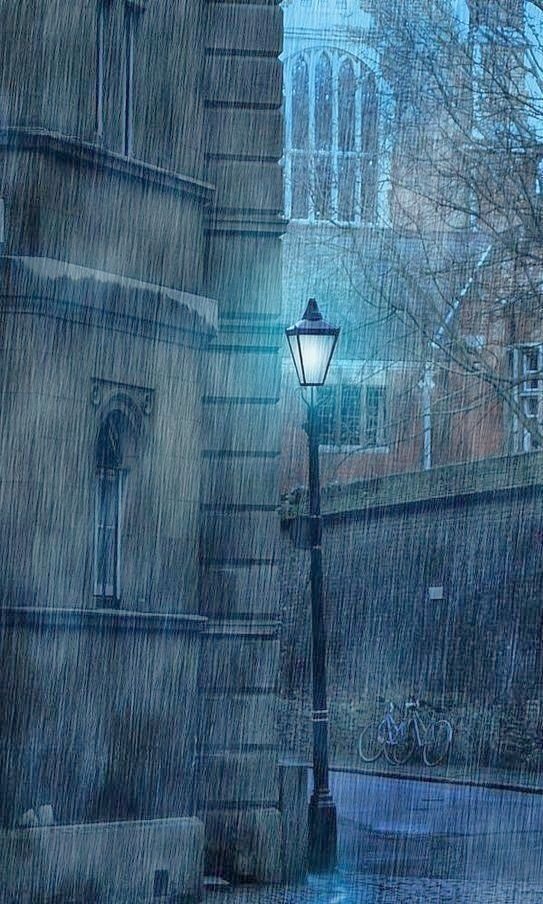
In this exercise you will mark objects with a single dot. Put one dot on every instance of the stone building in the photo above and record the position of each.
(412, 146)
(140, 297)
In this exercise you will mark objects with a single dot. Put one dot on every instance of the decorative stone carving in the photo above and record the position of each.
(142, 396)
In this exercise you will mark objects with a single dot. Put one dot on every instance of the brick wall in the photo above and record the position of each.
(472, 532)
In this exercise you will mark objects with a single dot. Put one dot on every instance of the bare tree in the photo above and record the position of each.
(465, 185)
(451, 268)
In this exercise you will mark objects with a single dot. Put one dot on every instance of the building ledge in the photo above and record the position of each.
(243, 627)
(112, 619)
(253, 222)
(16, 138)
(129, 304)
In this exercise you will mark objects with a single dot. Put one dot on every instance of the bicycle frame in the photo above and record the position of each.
(392, 726)
(398, 730)
(419, 727)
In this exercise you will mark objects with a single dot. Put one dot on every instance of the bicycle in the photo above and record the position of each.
(377, 737)
(398, 740)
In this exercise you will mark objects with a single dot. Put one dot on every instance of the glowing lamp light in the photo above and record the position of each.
(312, 342)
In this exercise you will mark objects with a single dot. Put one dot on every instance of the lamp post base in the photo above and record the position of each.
(322, 824)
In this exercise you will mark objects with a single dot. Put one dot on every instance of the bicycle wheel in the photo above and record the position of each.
(437, 742)
(400, 752)
(371, 741)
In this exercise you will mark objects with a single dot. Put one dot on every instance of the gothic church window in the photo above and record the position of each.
(331, 139)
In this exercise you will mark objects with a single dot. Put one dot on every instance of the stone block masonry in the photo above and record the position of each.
(239, 536)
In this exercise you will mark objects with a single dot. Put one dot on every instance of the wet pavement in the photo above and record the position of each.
(353, 888)
(410, 842)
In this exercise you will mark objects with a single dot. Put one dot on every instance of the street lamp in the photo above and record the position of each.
(312, 342)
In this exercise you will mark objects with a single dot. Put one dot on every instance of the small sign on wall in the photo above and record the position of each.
(435, 593)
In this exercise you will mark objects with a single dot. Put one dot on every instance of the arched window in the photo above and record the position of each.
(331, 139)
(300, 105)
(115, 447)
(346, 142)
(346, 106)
(323, 104)
(300, 139)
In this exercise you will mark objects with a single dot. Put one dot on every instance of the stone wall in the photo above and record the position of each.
(239, 539)
(98, 714)
(141, 273)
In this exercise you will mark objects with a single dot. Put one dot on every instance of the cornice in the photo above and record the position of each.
(254, 627)
(251, 222)
(111, 619)
(47, 287)
(17, 138)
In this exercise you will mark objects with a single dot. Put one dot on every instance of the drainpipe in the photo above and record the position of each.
(427, 385)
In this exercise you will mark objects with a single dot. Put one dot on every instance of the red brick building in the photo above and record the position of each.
(432, 270)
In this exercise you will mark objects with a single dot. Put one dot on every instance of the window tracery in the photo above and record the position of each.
(331, 138)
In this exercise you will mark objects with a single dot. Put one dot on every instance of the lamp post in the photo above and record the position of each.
(312, 342)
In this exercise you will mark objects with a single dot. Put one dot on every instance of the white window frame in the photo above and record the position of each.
(361, 74)
(525, 394)
(350, 374)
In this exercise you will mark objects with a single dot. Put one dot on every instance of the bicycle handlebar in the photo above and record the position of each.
(410, 703)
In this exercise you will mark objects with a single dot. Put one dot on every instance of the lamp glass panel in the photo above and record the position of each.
(295, 352)
(315, 352)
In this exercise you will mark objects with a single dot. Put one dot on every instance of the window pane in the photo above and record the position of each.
(108, 562)
(107, 516)
(326, 407)
(369, 144)
(323, 104)
(350, 416)
(531, 357)
(346, 107)
(375, 415)
(300, 104)
(368, 137)
(531, 368)
(299, 188)
(368, 200)
(346, 189)
(323, 187)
